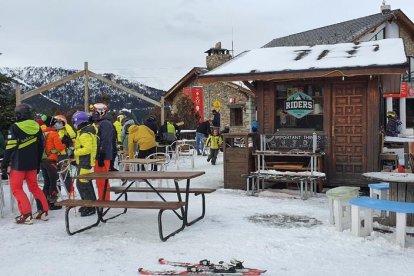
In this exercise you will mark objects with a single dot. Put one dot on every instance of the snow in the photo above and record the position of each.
(386, 52)
(265, 231)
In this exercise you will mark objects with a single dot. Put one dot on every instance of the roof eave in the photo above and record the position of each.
(305, 74)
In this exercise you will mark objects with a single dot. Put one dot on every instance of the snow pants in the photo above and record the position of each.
(16, 186)
(100, 183)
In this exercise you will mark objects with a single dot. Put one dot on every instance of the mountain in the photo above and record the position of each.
(69, 96)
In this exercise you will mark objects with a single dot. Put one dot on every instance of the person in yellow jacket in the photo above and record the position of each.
(144, 137)
(118, 127)
(215, 142)
(85, 153)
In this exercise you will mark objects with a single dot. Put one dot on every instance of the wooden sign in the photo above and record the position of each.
(288, 142)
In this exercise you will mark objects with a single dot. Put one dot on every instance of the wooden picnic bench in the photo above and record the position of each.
(128, 179)
(195, 191)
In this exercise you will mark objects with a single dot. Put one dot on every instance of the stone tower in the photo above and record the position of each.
(217, 56)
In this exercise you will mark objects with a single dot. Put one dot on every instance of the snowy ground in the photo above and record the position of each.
(232, 228)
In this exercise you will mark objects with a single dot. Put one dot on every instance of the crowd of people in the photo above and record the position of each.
(36, 143)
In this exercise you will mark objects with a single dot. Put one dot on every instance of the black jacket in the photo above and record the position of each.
(204, 128)
(24, 147)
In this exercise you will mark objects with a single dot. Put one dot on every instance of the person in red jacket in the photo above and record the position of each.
(53, 145)
(23, 154)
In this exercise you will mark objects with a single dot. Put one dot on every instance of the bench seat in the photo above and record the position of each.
(159, 205)
(361, 224)
(100, 204)
(120, 189)
(196, 191)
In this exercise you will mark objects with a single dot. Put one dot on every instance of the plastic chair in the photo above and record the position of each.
(183, 151)
(162, 164)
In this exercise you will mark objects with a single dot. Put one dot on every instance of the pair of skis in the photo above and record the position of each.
(205, 268)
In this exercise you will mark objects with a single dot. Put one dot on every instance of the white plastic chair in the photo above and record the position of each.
(182, 152)
(162, 165)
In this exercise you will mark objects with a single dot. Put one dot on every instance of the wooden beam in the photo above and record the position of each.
(250, 86)
(122, 88)
(86, 83)
(18, 94)
(51, 85)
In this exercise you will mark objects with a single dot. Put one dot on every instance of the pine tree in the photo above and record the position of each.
(186, 113)
(7, 103)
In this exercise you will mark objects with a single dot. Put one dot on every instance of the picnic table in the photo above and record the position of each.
(401, 189)
(128, 179)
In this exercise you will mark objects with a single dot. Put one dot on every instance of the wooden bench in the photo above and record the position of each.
(362, 218)
(195, 191)
(100, 204)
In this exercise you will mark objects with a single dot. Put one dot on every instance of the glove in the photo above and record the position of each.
(101, 158)
(67, 141)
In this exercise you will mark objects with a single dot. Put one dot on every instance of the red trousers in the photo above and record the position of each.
(100, 183)
(16, 186)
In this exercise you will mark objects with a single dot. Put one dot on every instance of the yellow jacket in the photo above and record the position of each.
(86, 147)
(141, 135)
(66, 130)
(118, 128)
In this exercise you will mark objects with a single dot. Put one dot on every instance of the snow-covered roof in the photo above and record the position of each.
(380, 53)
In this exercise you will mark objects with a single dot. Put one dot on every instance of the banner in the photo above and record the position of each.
(197, 97)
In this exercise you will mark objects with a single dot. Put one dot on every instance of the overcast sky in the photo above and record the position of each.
(156, 42)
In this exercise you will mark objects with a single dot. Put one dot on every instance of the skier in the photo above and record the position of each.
(23, 154)
(53, 145)
(85, 153)
(106, 134)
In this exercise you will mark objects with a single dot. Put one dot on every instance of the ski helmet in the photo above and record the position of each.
(78, 118)
(392, 114)
(23, 112)
(62, 119)
(100, 109)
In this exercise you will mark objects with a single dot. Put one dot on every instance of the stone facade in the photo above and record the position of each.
(222, 93)
(408, 42)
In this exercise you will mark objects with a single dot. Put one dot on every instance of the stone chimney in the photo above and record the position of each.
(217, 56)
(385, 9)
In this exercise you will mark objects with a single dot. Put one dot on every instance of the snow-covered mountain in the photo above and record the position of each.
(70, 95)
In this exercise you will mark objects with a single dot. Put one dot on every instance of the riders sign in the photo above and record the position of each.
(299, 105)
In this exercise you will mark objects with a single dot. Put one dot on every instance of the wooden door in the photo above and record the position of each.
(349, 132)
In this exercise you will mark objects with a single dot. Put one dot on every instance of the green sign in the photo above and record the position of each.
(299, 105)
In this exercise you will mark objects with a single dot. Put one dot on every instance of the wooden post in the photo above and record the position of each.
(86, 83)
(162, 110)
(18, 94)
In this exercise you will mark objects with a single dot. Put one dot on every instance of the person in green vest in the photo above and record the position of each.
(168, 132)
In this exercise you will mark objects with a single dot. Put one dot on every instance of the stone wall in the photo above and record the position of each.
(223, 93)
(408, 42)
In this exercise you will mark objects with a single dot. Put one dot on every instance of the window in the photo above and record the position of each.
(236, 116)
(411, 75)
(380, 35)
(314, 118)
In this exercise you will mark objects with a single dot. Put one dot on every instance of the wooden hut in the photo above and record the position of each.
(342, 85)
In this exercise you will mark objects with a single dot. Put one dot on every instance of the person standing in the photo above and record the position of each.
(85, 153)
(105, 146)
(216, 118)
(23, 154)
(215, 141)
(202, 131)
(393, 127)
(144, 137)
(53, 146)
